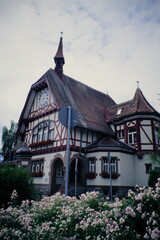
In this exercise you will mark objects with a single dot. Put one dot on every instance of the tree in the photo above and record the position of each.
(8, 138)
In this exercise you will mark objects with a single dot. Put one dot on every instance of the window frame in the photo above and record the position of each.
(43, 131)
(92, 164)
(106, 165)
(37, 167)
(132, 135)
(120, 133)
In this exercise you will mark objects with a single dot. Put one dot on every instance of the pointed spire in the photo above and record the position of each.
(139, 103)
(59, 59)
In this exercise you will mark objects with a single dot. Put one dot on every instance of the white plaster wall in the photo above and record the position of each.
(146, 122)
(132, 124)
(147, 147)
(47, 167)
(125, 169)
(141, 177)
(148, 131)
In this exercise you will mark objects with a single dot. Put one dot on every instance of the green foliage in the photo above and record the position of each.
(8, 138)
(154, 175)
(90, 217)
(155, 158)
(15, 179)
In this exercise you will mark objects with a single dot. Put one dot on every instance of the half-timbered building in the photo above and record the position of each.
(124, 133)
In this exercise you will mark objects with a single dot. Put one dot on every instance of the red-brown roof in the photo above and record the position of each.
(89, 103)
(138, 104)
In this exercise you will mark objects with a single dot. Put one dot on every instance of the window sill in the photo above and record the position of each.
(42, 143)
(91, 175)
(37, 174)
(107, 175)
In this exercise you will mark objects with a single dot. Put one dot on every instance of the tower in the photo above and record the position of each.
(59, 59)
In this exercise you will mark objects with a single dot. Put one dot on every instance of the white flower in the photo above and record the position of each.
(14, 195)
(146, 236)
(130, 211)
(155, 234)
(121, 220)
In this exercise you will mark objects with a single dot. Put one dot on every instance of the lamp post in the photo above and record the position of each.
(68, 150)
(69, 118)
(110, 175)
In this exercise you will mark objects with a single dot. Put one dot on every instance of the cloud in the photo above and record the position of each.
(109, 45)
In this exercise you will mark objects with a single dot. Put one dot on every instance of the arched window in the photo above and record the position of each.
(43, 131)
(132, 135)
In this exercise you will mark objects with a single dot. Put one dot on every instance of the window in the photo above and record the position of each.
(119, 111)
(120, 134)
(43, 131)
(132, 135)
(91, 168)
(106, 165)
(148, 167)
(37, 168)
(59, 172)
(92, 165)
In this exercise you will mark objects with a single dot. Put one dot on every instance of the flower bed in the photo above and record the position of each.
(90, 217)
(107, 175)
(42, 143)
(37, 174)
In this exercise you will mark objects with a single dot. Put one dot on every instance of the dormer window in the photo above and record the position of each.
(119, 111)
(132, 135)
(120, 134)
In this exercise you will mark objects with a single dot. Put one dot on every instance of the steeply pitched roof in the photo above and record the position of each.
(89, 103)
(138, 104)
(59, 53)
(59, 59)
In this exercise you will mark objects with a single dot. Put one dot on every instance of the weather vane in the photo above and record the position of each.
(137, 84)
(61, 34)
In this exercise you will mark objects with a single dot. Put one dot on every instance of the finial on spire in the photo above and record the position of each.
(59, 59)
(137, 84)
(61, 34)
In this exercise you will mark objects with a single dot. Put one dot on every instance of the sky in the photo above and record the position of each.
(109, 45)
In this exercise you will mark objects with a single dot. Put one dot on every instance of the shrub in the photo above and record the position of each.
(154, 175)
(90, 217)
(17, 179)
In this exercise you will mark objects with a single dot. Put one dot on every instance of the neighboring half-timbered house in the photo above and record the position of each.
(126, 131)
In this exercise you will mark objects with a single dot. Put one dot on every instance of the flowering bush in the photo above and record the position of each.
(90, 217)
